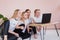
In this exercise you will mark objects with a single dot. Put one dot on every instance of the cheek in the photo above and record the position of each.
(28, 13)
(25, 16)
(38, 14)
(19, 15)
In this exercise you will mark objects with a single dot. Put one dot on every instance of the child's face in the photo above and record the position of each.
(25, 15)
(19, 14)
(37, 13)
(28, 12)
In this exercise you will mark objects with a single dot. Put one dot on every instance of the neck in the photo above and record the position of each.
(37, 16)
(23, 19)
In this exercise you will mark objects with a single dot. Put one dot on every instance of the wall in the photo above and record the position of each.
(7, 7)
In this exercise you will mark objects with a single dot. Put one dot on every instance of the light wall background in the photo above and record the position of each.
(7, 7)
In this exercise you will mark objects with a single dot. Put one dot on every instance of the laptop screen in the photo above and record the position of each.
(46, 18)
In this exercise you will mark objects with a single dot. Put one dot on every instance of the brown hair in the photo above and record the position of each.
(15, 13)
(27, 10)
(36, 10)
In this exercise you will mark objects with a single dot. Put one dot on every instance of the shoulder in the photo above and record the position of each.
(12, 19)
(34, 17)
(20, 22)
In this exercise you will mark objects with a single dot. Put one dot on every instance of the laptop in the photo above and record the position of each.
(46, 18)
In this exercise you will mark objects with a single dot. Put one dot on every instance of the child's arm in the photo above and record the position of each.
(33, 21)
(28, 28)
(16, 34)
(19, 27)
(5, 37)
(6, 28)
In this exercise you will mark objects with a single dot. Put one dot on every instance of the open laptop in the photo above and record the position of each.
(46, 18)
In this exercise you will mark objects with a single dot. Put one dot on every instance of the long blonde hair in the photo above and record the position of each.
(15, 13)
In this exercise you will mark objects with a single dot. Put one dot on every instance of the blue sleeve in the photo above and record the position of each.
(6, 27)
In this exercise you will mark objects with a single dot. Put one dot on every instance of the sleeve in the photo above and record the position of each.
(6, 27)
(41, 18)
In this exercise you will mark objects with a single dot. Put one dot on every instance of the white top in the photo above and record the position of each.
(13, 24)
(30, 19)
(38, 19)
(20, 22)
(26, 22)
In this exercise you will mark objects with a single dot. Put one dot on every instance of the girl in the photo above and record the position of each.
(37, 18)
(12, 25)
(23, 22)
(30, 21)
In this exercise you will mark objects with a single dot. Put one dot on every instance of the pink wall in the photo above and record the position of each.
(7, 7)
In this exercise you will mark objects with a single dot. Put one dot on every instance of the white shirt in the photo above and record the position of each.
(30, 19)
(20, 22)
(38, 19)
(13, 24)
(26, 22)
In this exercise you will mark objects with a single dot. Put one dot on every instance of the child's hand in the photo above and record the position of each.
(22, 27)
(5, 37)
(16, 34)
(38, 28)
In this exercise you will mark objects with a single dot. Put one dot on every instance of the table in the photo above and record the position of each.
(45, 25)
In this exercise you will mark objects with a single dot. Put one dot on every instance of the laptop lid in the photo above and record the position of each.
(46, 18)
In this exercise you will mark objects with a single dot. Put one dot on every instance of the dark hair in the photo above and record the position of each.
(36, 10)
(27, 10)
